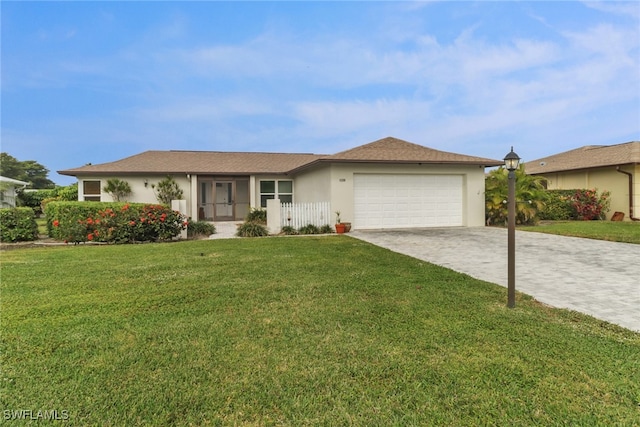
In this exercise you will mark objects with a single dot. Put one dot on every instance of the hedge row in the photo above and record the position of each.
(558, 205)
(35, 199)
(112, 222)
(18, 224)
(580, 204)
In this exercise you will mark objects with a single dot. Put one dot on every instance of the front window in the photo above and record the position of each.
(280, 189)
(91, 191)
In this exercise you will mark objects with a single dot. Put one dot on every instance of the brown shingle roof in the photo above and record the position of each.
(199, 162)
(386, 150)
(590, 156)
(398, 151)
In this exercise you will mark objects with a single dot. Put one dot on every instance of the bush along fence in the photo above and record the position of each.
(17, 225)
(74, 222)
(296, 215)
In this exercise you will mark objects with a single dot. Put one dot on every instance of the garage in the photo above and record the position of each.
(404, 201)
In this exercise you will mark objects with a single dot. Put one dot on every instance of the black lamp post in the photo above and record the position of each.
(511, 162)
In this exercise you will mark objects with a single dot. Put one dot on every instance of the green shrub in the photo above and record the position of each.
(18, 224)
(118, 189)
(326, 229)
(35, 199)
(252, 229)
(558, 206)
(167, 190)
(309, 229)
(112, 222)
(257, 215)
(200, 228)
(68, 193)
(288, 230)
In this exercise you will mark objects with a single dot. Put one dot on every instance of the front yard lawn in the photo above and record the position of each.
(627, 232)
(295, 331)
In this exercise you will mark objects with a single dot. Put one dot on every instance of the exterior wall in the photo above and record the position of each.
(139, 192)
(636, 191)
(7, 196)
(313, 186)
(602, 179)
(336, 181)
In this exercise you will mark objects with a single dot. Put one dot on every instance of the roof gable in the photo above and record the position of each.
(396, 150)
(587, 157)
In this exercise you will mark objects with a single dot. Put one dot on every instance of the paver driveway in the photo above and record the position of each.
(595, 277)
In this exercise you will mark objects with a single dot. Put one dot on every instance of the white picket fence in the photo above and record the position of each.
(298, 215)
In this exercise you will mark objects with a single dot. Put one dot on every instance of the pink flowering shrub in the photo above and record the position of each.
(113, 222)
(589, 205)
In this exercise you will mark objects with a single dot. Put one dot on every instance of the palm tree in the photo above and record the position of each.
(530, 196)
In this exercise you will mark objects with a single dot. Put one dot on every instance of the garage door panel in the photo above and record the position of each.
(396, 201)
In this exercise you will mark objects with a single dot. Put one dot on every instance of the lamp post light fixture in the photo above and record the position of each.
(511, 162)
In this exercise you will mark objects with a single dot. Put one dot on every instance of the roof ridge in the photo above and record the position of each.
(233, 152)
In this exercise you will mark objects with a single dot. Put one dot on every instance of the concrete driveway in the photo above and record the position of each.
(595, 277)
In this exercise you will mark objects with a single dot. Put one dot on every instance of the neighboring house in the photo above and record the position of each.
(8, 188)
(389, 183)
(615, 168)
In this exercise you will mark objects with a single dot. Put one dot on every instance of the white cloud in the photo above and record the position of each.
(626, 8)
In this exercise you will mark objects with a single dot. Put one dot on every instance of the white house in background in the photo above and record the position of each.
(8, 188)
(389, 183)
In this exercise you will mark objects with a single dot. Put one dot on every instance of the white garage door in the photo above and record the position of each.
(402, 201)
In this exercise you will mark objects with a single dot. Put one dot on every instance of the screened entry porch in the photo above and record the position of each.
(223, 199)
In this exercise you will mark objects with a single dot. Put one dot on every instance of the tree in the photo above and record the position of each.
(530, 196)
(168, 190)
(10, 167)
(118, 189)
(29, 171)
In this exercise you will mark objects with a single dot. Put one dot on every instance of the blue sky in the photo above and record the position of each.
(99, 81)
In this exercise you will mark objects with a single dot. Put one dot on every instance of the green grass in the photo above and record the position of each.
(627, 232)
(296, 331)
(42, 226)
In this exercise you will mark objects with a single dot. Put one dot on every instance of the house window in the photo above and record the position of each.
(91, 191)
(282, 190)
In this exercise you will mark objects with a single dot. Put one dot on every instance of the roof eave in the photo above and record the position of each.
(578, 169)
(488, 163)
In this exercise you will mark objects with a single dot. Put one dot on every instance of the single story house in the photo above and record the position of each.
(614, 168)
(389, 183)
(8, 188)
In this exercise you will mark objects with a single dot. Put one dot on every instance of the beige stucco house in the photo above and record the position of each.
(389, 183)
(615, 168)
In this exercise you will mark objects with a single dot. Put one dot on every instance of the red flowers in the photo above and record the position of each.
(90, 236)
(56, 223)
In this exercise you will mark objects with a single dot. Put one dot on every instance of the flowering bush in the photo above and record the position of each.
(589, 205)
(114, 222)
